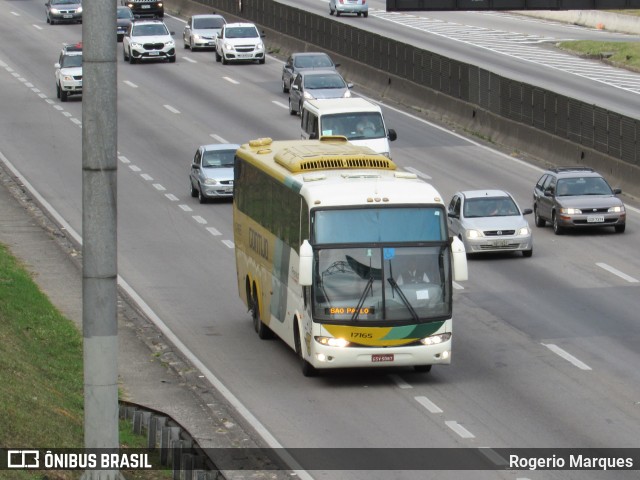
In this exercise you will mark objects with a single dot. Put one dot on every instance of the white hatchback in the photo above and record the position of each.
(359, 7)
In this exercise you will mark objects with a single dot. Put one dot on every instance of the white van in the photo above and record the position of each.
(355, 118)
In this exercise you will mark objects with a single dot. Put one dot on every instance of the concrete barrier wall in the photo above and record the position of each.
(548, 149)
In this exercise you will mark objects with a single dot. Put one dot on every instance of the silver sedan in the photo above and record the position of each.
(211, 174)
(490, 221)
(201, 31)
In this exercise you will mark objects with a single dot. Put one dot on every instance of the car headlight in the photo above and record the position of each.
(67, 78)
(170, 43)
(260, 47)
(616, 209)
(332, 342)
(571, 211)
(79, 10)
(228, 46)
(136, 45)
(524, 231)
(347, 94)
(54, 11)
(210, 181)
(471, 234)
(196, 36)
(436, 339)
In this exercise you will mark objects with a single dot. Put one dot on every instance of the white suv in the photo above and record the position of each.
(69, 72)
(148, 40)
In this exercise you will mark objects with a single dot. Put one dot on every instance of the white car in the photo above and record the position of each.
(490, 221)
(359, 7)
(201, 31)
(240, 42)
(148, 40)
(68, 72)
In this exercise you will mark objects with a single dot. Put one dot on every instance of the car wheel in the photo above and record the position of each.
(186, 45)
(63, 95)
(307, 369)
(124, 54)
(192, 190)
(365, 14)
(262, 61)
(172, 59)
(284, 87)
(218, 57)
(57, 90)
(131, 59)
(359, 14)
(264, 332)
(620, 228)
(527, 253)
(48, 20)
(224, 60)
(291, 110)
(557, 229)
(330, 11)
(540, 222)
(422, 368)
(201, 197)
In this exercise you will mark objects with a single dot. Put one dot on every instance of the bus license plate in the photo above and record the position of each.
(595, 219)
(382, 357)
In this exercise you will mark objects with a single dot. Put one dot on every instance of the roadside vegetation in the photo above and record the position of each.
(618, 54)
(41, 376)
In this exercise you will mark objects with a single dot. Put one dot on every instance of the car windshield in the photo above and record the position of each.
(569, 187)
(149, 30)
(124, 13)
(323, 81)
(490, 207)
(65, 2)
(208, 23)
(242, 32)
(70, 61)
(218, 158)
(316, 61)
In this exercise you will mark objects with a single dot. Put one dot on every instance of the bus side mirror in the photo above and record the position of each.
(460, 270)
(306, 264)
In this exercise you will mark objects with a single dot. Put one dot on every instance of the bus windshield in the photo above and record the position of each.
(384, 285)
(385, 225)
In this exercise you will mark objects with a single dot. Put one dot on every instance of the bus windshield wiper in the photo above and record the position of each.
(367, 288)
(398, 290)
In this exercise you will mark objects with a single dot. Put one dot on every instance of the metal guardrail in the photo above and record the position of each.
(605, 131)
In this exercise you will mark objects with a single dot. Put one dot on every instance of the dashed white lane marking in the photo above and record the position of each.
(146, 176)
(131, 84)
(459, 429)
(171, 197)
(134, 168)
(418, 173)
(37, 27)
(231, 80)
(185, 208)
(213, 231)
(218, 138)
(228, 243)
(199, 219)
(124, 159)
(493, 456)
(399, 381)
(76, 121)
(428, 404)
(190, 60)
(567, 356)
(618, 273)
(280, 104)
(171, 109)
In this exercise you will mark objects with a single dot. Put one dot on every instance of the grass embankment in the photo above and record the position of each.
(41, 375)
(619, 54)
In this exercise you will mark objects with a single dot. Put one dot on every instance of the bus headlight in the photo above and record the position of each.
(332, 342)
(436, 339)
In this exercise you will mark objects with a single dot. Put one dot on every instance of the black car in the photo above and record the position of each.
(124, 17)
(145, 8)
(570, 197)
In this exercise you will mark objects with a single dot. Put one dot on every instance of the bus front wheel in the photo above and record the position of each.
(308, 370)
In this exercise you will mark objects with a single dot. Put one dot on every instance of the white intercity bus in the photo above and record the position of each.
(343, 256)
